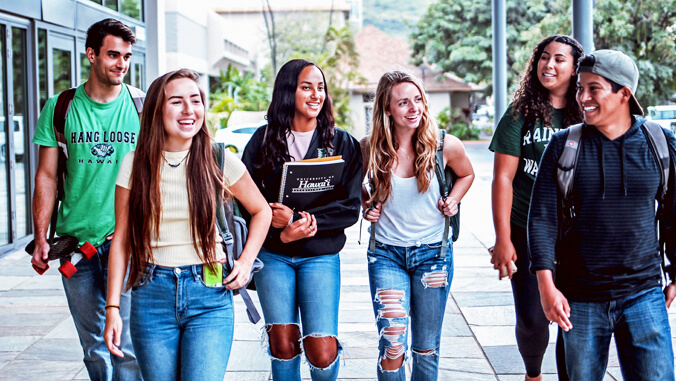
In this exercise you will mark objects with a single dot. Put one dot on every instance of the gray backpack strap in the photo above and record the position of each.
(565, 173)
(658, 142)
(443, 188)
(138, 96)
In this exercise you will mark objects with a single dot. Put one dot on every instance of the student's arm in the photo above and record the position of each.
(371, 212)
(456, 158)
(504, 170)
(44, 198)
(554, 304)
(342, 213)
(669, 222)
(247, 193)
(117, 268)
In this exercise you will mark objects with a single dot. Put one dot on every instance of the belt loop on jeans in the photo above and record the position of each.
(195, 273)
(150, 271)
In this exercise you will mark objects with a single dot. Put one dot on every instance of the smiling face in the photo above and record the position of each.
(600, 106)
(183, 114)
(406, 105)
(111, 64)
(310, 93)
(556, 67)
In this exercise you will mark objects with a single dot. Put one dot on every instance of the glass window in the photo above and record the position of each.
(42, 66)
(110, 4)
(138, 75)
(85, 66)
(22, 170)
(132, 8)
(97, 1)
(4, 150)
(61, 70)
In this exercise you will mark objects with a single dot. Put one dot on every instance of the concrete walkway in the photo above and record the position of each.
(38, 339)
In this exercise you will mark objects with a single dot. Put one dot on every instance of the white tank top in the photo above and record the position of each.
(409, 218)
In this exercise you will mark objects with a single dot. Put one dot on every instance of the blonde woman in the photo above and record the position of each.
(409, 278)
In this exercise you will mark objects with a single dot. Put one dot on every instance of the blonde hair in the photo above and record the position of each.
(383, 151)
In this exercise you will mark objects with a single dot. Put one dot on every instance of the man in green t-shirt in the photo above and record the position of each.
(102, 125)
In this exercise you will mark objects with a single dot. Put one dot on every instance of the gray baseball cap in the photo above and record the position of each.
(616, 66)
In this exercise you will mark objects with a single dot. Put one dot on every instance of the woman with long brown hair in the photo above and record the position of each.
(182, 314)
(544, 104)
(410, 279)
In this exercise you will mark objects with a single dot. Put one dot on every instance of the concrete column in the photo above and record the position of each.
(156, 47)
(499, 21)
(583, 23)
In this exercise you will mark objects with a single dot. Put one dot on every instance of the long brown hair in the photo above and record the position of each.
(384, 145)
(203, 177)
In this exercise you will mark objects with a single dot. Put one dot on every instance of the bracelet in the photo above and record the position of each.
(112, 306)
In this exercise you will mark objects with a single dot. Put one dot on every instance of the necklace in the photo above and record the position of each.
(177, 164)
(408, 156)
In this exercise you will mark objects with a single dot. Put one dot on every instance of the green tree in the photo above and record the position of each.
(457, 36)
(233, 90)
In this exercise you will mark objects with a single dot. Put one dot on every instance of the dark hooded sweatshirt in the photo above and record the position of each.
(610, 250)
(334, 212)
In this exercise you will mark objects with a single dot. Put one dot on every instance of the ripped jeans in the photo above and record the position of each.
(410, 282)
(308, 288)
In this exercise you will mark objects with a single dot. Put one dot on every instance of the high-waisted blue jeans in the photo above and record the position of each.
(305, 287)
(410, 282)
(181, 328)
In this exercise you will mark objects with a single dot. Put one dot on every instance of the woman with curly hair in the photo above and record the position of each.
(299, 287)
(182, 319)
(544, 104)
(408, 275)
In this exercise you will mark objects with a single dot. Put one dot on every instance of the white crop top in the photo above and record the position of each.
(409, 218)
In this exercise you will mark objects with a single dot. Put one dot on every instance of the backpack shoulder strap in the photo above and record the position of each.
(61, 109)
(565, 173)
(138, 96)
(365, 146)
(658, 144)
(444, 188)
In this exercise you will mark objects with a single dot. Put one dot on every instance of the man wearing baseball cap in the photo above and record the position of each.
(601, 242)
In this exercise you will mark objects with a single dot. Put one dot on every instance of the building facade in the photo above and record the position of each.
(42, 45)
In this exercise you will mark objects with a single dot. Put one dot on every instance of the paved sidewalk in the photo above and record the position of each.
(38, 340)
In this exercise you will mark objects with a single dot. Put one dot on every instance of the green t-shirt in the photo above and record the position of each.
(509, 140)
(98, 135)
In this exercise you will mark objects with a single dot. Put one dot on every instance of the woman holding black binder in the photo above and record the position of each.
(299, 287)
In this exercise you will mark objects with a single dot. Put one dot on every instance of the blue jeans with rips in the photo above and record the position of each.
(182, 328)
(410, 282)
(642, 336)
(86, 293)
(308, 288)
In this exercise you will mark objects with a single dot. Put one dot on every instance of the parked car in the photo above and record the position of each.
(18, 139)
(665, 116)
(236, 138)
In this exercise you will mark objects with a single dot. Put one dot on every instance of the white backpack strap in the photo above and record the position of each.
(138, 96)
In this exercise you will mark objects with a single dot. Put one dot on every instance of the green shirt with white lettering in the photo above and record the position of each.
(510, 138)
(98, 135)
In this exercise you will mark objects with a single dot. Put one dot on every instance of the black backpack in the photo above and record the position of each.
(446, 178)
(234, 232)
(565, 174)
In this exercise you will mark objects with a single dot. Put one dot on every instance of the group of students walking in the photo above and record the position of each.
(150, 276)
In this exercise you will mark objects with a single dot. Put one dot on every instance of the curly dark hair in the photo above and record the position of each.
(281, 112)
(531, 100)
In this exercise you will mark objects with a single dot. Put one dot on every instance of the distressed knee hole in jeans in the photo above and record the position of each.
(435, 278)
(391, 299)
(392, 335)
